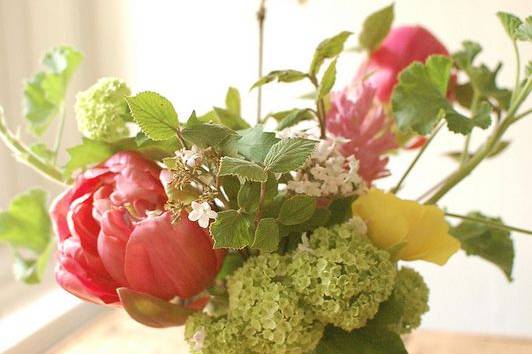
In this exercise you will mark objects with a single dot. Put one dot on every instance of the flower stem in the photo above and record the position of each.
(59, 135)
(490, 223)
(418, 156)
(518, 69)
(524, 114)
(261, 17)
(25, 155)
(261, 202)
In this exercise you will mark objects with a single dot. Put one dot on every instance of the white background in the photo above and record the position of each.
(191, 51)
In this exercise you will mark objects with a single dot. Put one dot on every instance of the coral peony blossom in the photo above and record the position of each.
(416, 231)
(108, 237)
(400, 48)
(356, 116)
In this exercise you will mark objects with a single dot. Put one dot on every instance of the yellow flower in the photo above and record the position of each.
(413, 230)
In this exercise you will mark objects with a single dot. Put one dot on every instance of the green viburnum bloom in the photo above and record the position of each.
(342, 276)
(102, 112)
(411, 296)
(209, 335)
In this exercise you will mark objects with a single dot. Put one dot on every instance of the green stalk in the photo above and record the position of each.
(418, 156)
(490, 223)
(26, 156)
(59, 136)
(518, 70)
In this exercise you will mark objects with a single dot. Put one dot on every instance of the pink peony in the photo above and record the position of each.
(400, 48)
(108, 236)
(356, 116)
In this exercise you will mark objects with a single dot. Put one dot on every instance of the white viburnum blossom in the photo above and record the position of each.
(192, 157)
(328, 173)
(202, 213)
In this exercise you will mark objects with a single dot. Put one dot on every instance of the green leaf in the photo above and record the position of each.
(297, 210)
(26, 224)
(341, 210)
(249, 194)
(152, 311)
(328, 80)
(31, 270)
(320, 218)
(230, 119)
(367, 340)
(510, 23)
(295, 116)
(232, 262)
(376, 28)
(281, 76)
(329, 48)
(45, 92)
(464, 58)
(255, 144)
(232, 101)
(439, 71)
(289, 154)
(246, 170)
(155, 115)
(267, 235)
(499, 148)
(231, 230)
(90, 152)
(217, 136)
(524, 31)
(42, 151)
(151, 149)
(490, 243)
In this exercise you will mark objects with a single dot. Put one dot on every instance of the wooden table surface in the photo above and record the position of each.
(116, 333)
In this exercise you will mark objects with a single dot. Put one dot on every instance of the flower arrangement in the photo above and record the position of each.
(269, 238)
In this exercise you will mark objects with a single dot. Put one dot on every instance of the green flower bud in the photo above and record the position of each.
(342, 276)
(102, 112)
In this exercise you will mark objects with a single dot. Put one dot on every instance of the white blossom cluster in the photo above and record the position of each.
(328, 173)
(190, 157)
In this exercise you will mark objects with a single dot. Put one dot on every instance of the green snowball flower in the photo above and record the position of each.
(271, 317)
(102, 112)
(342, 276)
(411, 296)
(212, 335)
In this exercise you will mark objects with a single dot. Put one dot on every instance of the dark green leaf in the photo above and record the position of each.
(217, 136)
(231, 230)
(232, 101)
(152, 311)
(26, 224)
(341, 210)
(267, 235)
(320, 218)
(510, 23)
(232, 262)
(329, 48)
(249, 193)
(90, 152)
(488, 242)
(295, 116)
(155, 115)
(280, 76)
(246, 170)
(289, 154)
(255, 144)
(376, 28)
(154, 150)
(328, 80)
(297, 210)
(367, 340)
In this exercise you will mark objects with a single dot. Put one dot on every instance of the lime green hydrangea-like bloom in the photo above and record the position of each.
(410, 294)
(212, 335)
(269, 311)
(102, 112)
(342, 276)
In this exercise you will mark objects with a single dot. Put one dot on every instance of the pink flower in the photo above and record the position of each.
(400, 48)
(356, 116)
(108, 237)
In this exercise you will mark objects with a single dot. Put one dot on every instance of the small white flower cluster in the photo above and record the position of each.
(191, 157)
(202, 213)
(328, 173)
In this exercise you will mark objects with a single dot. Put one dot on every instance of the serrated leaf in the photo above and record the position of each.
(246, 170)
(297, 210)
(217, 136)
(255, 143)
(88, 153)
(231, 230)
(295, 116)
(329, 48)
(328, 80)
(152, 311)
(154, 114)
(249, 194)
(281, 76)
(376, 27)
(488, 242)
(230, 119)
(30, 270)
(151, 149)
(367, 340)
(439, 70)
(232, 101)
(524, 31)
(267, 235)
(26, 224)
(510, 23)
(289, 154)
(45, 92)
